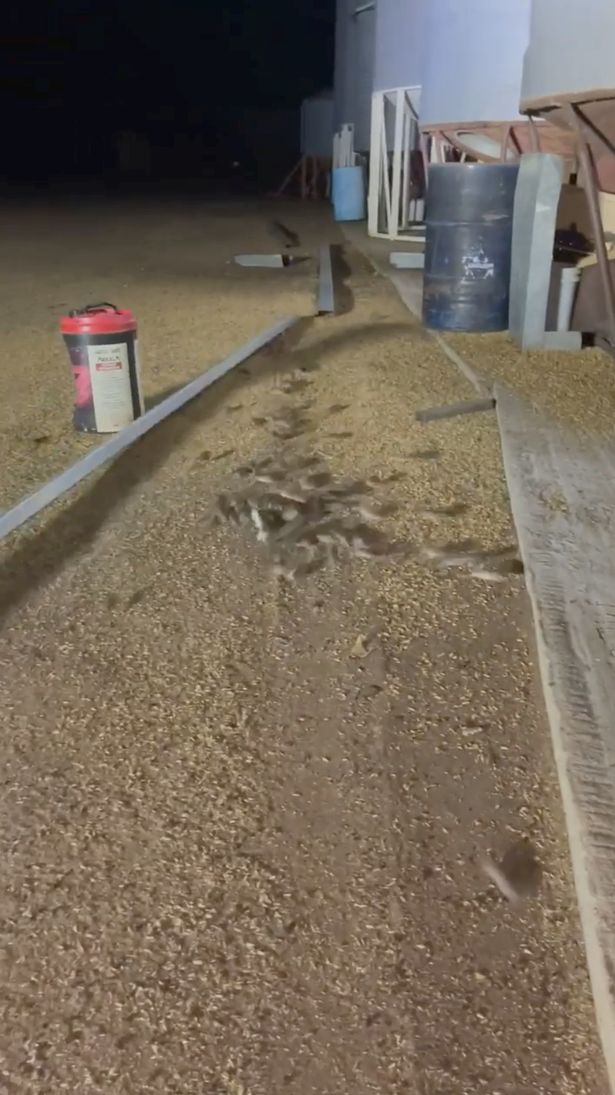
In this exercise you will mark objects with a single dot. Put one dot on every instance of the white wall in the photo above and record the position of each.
(354, 62)
(399, 44)
(473, 59)
(572, 47)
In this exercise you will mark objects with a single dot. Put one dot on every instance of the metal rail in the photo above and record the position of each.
(326, 292)
(11, 519)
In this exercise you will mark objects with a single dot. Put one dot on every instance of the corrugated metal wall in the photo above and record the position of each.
(354, 63)
(572, 47)
(473, 59)
(399, 44)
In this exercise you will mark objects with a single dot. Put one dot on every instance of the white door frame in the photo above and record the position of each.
(388, 202)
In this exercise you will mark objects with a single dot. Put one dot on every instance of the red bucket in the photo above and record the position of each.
(102, 344)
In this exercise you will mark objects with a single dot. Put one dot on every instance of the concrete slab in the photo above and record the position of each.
(274, 261)
(407, 260)
(563, 503)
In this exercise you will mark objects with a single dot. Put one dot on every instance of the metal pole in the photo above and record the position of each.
(534, 142)
(591, 190)
(425, 153)
(326, 293)
(598, 134)
(450, 410)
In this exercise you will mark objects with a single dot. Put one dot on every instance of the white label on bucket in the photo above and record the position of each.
(110, 379)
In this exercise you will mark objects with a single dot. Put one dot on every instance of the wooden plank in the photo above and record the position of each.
(563, 503)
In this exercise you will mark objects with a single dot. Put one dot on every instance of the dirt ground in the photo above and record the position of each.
(243, 818)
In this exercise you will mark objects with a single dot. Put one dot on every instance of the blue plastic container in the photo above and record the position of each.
(348, 193)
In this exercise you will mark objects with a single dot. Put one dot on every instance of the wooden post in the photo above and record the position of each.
(591, 191)
(287, 180)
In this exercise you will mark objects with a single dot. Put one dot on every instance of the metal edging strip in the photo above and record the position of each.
(326, 296)
(11, 519)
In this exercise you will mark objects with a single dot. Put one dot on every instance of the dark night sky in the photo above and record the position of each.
(74, 73)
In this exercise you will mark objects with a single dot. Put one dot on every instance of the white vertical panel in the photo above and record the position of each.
(473, 59)
(354, 60)
(572, 48)
(398, 50)
(317, 125)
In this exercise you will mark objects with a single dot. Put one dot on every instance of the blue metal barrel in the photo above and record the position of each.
(467, 246)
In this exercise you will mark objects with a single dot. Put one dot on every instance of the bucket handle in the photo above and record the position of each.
(103, 306)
